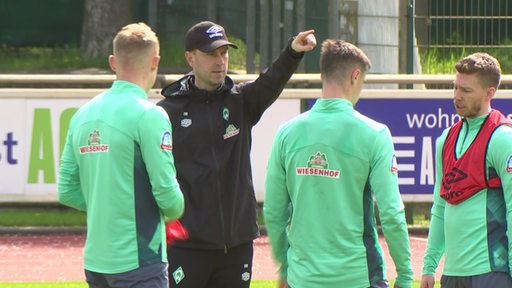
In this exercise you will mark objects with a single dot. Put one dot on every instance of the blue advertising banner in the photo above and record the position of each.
(415, 125)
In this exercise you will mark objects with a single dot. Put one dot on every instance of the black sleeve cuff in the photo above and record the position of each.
(292, 52)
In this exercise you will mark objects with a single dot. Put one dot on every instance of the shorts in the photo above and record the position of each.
(149, 276)
(487, 280)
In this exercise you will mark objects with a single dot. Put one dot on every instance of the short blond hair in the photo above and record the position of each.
(135, 40)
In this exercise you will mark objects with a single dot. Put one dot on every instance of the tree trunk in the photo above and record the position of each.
(102, 20)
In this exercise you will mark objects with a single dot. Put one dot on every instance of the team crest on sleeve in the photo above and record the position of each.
(394, 164)
(317, 165)
(509, 164)
(166, 143)
(94, 144)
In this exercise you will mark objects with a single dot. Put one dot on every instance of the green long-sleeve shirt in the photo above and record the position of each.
(117, 165)
(326, 167)
(473, 234)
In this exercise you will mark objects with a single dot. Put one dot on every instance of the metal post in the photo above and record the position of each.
(333, 19)
(410, 37)
(276, 28)
(410, 40)
(152, 13)
(250, 36)
(406, 39)
(264, 34)
(212, 10)
(301, 26)
(403, 20)
(288, 20)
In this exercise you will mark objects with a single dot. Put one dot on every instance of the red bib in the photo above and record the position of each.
(465, 176)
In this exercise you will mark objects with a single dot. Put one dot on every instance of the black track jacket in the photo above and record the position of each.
(211, 146)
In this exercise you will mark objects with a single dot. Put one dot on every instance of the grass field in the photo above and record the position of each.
(16, 214)
(254, 284)
(41, 216)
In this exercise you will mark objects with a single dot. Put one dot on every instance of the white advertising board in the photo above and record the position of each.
(33, 130)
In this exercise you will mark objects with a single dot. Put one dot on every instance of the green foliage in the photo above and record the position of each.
(172, 54)
(442, 61)
(65, 59)
(455, 39)
(238, 57)
(433, 62)
(27, 59)
(173, 59)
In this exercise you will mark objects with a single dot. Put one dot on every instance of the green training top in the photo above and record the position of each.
(118, 166)
(473, 234)
(325, 168)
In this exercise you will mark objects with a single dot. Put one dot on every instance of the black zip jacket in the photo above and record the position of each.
(211, 145)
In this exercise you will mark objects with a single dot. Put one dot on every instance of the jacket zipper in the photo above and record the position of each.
(217, 183)
(464, 139)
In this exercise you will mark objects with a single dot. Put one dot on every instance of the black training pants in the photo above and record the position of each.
(198, 268)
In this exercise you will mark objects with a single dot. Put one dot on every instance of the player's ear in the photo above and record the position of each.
(112, 62)
(189, 55)
(154, 62)
(490, 93)
(354, 76)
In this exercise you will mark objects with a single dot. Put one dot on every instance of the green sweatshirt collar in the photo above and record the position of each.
(125, 86)
(323, 104)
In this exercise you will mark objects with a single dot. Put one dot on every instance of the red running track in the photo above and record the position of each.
(50, 257)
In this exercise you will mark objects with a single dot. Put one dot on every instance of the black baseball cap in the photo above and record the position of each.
(206, 36)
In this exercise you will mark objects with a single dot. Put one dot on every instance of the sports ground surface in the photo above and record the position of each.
(58, 257)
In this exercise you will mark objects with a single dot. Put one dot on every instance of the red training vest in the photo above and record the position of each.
(465, 176)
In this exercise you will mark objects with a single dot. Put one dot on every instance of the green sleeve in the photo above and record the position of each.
(384, 183)
(276, 208)
(500, 157)
(69, 190)
(436, 241)
(156, 148)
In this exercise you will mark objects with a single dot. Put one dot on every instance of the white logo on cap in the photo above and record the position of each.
(214, 31)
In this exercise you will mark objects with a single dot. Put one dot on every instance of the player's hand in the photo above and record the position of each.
(304, 41)
(174, 231)
(427, 281)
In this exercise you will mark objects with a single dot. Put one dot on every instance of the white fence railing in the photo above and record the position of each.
(167, 78)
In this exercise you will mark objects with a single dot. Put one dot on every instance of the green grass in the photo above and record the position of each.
(65, 59)
(44, 285)
(26, 59)
(58, 215)
(254, 284)
(41, 216)
(442, 61)
(434, 63)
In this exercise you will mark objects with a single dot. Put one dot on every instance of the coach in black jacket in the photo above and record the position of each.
(212, 120)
